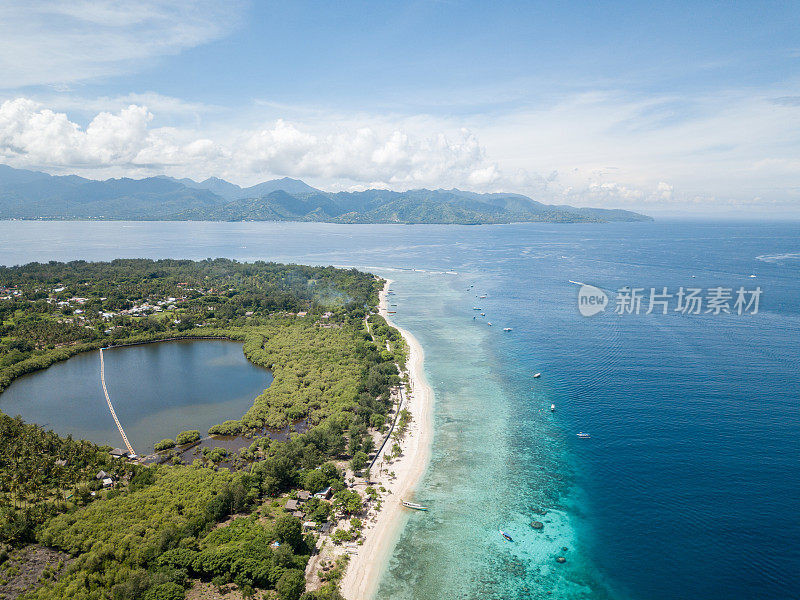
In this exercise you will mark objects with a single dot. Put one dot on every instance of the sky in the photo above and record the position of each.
(670, 108)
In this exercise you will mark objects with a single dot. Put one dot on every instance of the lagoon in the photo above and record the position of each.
(157, 390)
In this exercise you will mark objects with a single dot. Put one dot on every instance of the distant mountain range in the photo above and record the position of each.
(35, 195)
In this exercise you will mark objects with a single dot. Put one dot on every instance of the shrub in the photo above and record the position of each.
(341, 535)
(164, 444)
(187, 437)
(359, 461)
(289, 530)
(291, 585)
(226, 428)
(165, 591)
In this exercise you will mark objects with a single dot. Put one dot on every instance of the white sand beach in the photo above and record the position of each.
(366, 567)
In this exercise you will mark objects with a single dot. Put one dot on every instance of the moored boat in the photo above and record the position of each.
(506, 536)
(537, 375)
(507, 329)
(413, 505)
(552, 408)
(583, 435)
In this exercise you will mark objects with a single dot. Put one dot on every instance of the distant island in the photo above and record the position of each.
(35, 195)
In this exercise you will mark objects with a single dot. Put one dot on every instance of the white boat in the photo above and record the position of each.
(552, 408)
(584, 435)
(482, 297)
(475, 308)
(507, 329)
(537, 375)
(414, 505)
(483, 314)
(753, 276)
(489, 323)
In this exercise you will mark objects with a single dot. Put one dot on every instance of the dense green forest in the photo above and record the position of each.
(51, 311)
(42, 474)
(155, 531)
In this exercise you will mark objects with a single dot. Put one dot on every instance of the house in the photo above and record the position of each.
(101, 475)
(108, 482)
(324, 494)
(309, 526)
(298, 514)
(61, 462)
(291, 505)
(118, 453)
(303, 496)
(326, 527)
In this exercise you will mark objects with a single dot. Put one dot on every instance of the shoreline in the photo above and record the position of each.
(366, 568)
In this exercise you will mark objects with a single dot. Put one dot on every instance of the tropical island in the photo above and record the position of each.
(277, 519)
(36, 195)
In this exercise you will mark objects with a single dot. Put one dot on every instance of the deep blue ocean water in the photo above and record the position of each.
(689, 486)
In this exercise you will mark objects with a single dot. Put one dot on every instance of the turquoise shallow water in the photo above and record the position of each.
(689, 484)
(481, 477)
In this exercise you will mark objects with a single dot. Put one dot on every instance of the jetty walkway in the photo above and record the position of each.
(111, 406)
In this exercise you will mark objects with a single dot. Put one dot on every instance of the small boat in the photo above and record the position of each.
(552, 408)
(753, 276)
(414, 505)
(475, 308)
(483, 314)
(537, 375)
(489, 323)
(482, 297)
(507, 329)
(506, 536)
(584, 435)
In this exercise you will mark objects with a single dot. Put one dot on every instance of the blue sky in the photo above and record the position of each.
(662, 107)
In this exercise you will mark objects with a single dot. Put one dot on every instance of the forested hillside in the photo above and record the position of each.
(34, 195)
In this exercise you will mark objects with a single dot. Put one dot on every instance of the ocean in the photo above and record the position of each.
(689, 484)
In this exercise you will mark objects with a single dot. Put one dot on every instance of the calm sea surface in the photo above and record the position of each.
(158, 390)
(689, 486)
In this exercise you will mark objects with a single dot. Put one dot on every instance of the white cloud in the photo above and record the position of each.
(591, 149)
(56, 43)
(33, 136)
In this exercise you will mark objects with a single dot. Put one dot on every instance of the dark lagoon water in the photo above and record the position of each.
(158, 390)
(689, 485)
